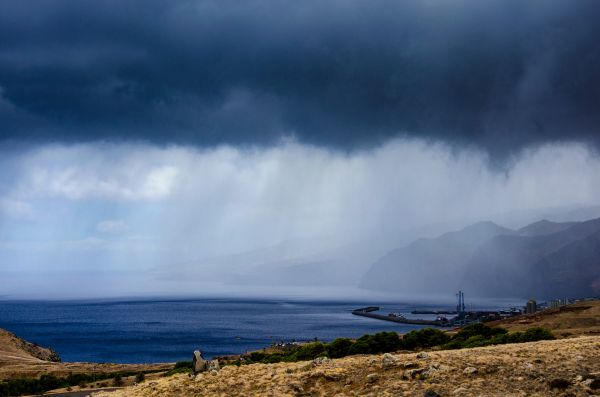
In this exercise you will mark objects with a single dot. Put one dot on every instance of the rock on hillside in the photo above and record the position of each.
(547, 368)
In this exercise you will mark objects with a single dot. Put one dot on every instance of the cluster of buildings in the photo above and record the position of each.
(532, 306)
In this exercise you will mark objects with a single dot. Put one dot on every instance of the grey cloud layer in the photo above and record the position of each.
(500, 74)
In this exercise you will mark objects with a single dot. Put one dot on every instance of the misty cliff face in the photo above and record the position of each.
(543, 260)
(430, 265)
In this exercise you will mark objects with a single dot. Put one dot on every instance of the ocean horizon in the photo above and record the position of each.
(169, 330)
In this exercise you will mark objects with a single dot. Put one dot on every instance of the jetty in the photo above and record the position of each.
(396, 318)
(461, 318)
(437, 312)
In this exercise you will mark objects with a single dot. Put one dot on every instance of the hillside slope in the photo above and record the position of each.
(581, 318)
(508, 370)
(16, 350)
(22, 359)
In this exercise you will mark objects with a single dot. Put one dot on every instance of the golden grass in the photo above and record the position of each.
(508, 370)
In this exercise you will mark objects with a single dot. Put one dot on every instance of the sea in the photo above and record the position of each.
(169, 330)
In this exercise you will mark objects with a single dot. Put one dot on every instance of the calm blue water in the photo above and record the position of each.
(169, 330)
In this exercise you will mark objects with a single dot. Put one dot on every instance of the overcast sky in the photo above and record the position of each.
(138, 135)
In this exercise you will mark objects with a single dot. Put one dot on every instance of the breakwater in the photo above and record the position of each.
(370, 312)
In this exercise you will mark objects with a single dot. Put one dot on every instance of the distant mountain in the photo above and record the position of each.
(513, 265)
(575, 267)
(430, 264)
(544, 260)
(544, 227)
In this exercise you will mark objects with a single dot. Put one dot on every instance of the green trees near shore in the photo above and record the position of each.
(28, 386)
(474, 335)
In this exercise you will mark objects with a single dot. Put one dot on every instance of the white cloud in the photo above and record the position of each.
(17, 209)
(89, 172)
(111, 226)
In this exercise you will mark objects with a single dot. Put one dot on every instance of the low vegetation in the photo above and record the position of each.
(18, 387)
(181, 367)
(475, 335)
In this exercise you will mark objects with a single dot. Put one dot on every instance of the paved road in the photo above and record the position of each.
(82, 393)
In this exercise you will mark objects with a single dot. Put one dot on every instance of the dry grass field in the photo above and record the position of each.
(567, 367)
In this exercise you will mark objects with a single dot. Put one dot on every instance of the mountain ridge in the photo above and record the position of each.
(489, 260)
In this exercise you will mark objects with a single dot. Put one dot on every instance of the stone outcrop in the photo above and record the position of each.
(199, 364)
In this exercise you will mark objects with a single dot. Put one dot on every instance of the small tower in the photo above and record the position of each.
(531, 306)
(460, 308)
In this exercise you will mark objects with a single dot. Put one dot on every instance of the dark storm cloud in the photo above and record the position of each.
(499, 74)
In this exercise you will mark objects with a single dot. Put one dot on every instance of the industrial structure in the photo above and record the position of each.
(531, 306)
(462, 316)
(460, 308)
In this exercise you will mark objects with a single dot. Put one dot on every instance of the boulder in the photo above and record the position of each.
(198, 363)
(320, 361)
(372, 378)
(213, 365)
(593, 384)
(413, 373)
(388, 361)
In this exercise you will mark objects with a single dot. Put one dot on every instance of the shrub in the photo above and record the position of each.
(382, 342)
(180, 370)
(139, 378)
(559, 383)
(476, 335)
(339, 347)
(424, 338)
(309, 351)
(535, 334)
(257, 356)
(183, 364)
(118, 380)
(361, 346)
(478, 330)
